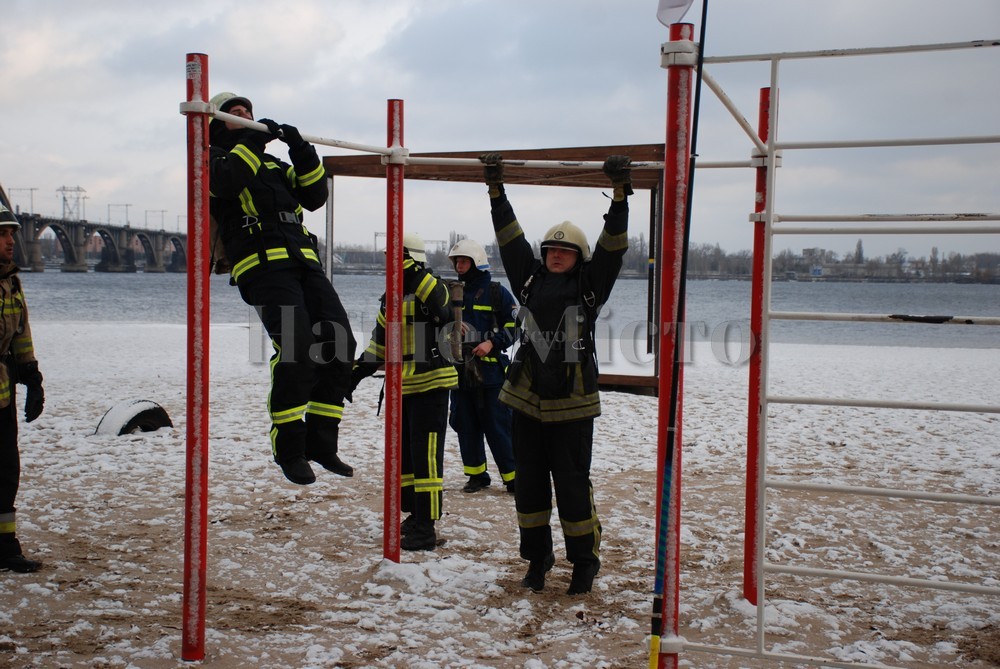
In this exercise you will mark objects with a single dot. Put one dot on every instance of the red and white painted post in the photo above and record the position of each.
(196, 492)
(393, 330)
(677, 156)
(761, 252)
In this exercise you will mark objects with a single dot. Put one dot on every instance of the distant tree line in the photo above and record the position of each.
(710, 261)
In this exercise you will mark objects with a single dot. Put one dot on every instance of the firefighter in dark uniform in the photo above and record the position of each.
(257, 202)
(552, 382)
(477, 415)
(428, 374)
(19, 366)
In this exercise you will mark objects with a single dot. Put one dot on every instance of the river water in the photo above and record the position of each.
(714, 308)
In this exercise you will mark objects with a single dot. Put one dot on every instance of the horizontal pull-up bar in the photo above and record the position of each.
(887, 230)
(208, 108)
(835, 53)
(879, 143)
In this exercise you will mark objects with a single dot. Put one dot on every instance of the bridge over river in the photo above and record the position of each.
(160, 251)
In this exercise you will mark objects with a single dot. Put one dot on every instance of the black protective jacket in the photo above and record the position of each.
(257, 201)
(553, 377)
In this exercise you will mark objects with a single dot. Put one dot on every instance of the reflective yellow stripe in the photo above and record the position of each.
(617, 242)
(482, 307)
(474, 471)
(312, 177)
(328, 410)
(248, 156)
(538, 519)
(509, 232)
(288, 415)
(425, 288)
(252, 261)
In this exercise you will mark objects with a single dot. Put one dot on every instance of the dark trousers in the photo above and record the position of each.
(425, 419)
(555, 455)
(314, 349)
(476, 414)
(10, 476)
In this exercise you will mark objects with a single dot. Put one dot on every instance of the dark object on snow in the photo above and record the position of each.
(133, 416)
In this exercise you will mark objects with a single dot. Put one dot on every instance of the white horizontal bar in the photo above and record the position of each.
(832, 53)
(887, 230)
(885, 404)
(724, 163)
(885, 492)
(847, 218)
(874, 143)
(887, 580)
(789, 657)
(882, 318)
(541, 164)
(312, 139)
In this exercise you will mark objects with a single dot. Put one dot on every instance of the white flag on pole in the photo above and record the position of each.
(672, 11)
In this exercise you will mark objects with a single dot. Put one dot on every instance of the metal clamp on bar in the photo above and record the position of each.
(760, 159)
(679, 52)
(398, 155)
(197, 107)
(672, 645)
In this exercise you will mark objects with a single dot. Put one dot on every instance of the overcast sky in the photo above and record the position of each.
(91, 95)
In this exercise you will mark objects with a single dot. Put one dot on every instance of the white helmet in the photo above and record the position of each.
(414, 245)
(7, 218)
(226, 100)
(567, 235)
(472, 250)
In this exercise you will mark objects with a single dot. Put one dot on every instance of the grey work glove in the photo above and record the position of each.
(618, 170)
(493, 168)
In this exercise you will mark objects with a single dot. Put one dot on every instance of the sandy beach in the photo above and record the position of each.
(296, 576)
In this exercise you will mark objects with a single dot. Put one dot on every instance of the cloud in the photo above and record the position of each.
(92, 93)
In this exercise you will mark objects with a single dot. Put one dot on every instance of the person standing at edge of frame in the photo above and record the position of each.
(552, 382)
(257, 203)
(477, 415)
(427, 376)
(19, 366)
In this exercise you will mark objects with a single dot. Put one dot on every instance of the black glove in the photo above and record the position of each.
(34, 399)
(618, 170)
(288, 134)
(291, 136)
(493, 170)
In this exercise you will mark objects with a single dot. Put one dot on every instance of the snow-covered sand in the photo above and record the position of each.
(296, 577)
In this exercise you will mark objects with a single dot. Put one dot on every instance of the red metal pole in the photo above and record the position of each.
(196, 491)
(677, 155)
(754, 407)
(393, 334)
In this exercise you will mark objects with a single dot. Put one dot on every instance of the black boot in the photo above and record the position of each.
(477, 483)
(420, 538)
(297, 470)
(583, 577)
(322, 435)
(332, 462)
(407, 525)
(288, 446)
(19, 563)
(535, 578)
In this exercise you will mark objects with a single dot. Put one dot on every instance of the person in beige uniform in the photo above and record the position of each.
(19, 366)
